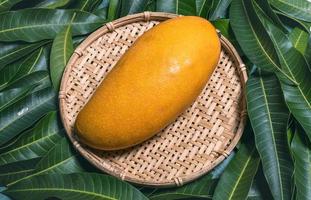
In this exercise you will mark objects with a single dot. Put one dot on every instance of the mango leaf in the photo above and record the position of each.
(4, 197)
(35, 142)
(293, 22)
(7, 4)
(132, 6)
(9, 97)
(308, 51)
(252, 37)
(269, 115)
(38, 24)
(301, 149)
(22, 114)
(265, 6)
(76, 186)
(61, 159)
(183, 7)
(39, 78)
(17, 170)
(62, 49)
(300, 9)
(297, 97)
(203, 7)
(260, 189)
(35, 62)
(223, 26)
(53, 4)
(113, 9)
(11, 52)
(85, 5)
(201, 188)
(237, 179)
(299, 39)
(219, 9)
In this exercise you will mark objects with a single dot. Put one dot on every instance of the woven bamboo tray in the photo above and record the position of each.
(195, 143)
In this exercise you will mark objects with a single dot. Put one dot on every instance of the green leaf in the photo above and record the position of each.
(35, 142)
(17, 170)
(269, 115)
(299, 39)
(297, 97)
(38, 24)
(35, 62)
(252, 37)
(7, 4)
(9, 97)
(201, 188)
(85, 5)
(132, 6)
(223, 26)
(260, 189)
(61, 159)
(301, 149)
(39, 78)
(77, 186)
(237, 179)
(265, 6)
(183, 7)
(11, 52)
(300, 9)
(203, 7)
(219, 9)
(62, 49)
(293, 22)
(53, 4)
(21, 115)
(113, 9)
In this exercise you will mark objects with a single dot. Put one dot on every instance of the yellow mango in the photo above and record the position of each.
(161, 74)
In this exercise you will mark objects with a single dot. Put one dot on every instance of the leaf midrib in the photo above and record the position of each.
(272, 135)
(241, 173)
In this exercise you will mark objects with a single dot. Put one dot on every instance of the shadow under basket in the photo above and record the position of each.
(198, 140)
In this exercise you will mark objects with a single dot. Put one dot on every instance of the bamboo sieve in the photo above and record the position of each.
(198, 140)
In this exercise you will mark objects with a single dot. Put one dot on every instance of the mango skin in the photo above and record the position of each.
(161, 75)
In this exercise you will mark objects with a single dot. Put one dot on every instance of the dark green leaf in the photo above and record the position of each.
(61, 159)
(293, 22)
(269, 115)
(11, 52)
(132, 6)
(300, 9)
(223, 26)
(53, 4)
(17, 170)
(203, 7)
(252, 37)
(62, 49)
(21, 115)
(299, 39)
(9, 97)
(297, 97)
(183, 7)
(39, 78)
(113, 9)
(265, 6)
(7, 4)
(85, 5)
(219, 9)
(35, 142)
(37, 24)
(237, 179)
(301, 149)
(77, 186)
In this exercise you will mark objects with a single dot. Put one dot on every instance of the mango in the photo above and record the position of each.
(160, 75)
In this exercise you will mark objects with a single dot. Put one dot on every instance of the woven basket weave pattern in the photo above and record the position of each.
(197, 141)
